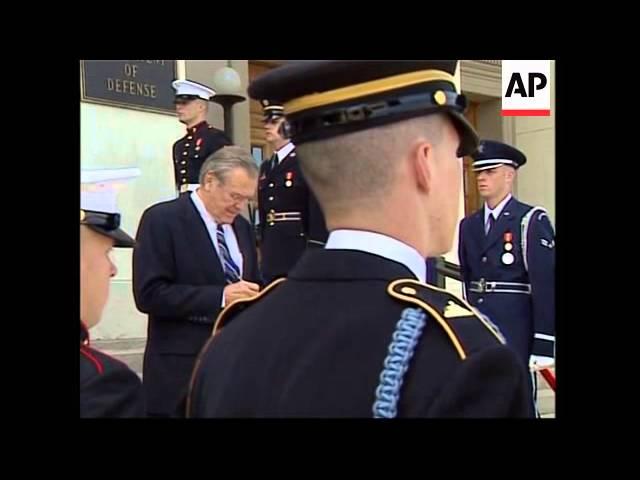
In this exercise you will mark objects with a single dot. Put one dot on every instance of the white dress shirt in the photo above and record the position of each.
(284, 151)
(496, 211)
(229, 234)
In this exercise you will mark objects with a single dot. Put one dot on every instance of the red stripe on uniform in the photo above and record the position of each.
(95, 361)
(526, 113)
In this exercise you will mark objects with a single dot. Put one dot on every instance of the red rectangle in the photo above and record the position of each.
(526, 113)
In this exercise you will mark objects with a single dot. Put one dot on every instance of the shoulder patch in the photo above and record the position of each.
(547, 243)
(447, 309)
(237, 306)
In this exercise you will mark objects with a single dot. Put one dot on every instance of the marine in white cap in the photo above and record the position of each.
(108, 388)
(201, 139)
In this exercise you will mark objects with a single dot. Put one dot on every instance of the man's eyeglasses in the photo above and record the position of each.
(235, 197)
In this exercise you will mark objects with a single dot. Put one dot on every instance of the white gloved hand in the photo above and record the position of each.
(537, 362)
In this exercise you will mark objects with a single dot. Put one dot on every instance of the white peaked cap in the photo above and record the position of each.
(99, 188)
(187, 87)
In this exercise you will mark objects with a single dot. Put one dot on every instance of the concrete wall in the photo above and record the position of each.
(117, 137)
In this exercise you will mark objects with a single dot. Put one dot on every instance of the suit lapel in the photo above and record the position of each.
(201, 241)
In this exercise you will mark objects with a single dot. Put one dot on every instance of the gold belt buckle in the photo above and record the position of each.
(271, 217)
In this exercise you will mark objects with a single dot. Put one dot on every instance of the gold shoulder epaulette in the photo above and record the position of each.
(451, 313)
(238, 305)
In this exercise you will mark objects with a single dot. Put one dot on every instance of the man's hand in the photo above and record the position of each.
(239, 290)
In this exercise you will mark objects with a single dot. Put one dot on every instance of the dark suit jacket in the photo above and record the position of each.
(178, 281)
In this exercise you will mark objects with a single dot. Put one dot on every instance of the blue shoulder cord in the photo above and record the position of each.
(405, 338)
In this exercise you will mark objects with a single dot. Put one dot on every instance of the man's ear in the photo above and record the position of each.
(209, 178)
(421, 160)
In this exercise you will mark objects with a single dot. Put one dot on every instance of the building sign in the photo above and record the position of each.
(138, 84)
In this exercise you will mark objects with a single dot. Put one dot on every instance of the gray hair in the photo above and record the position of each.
(226, 159)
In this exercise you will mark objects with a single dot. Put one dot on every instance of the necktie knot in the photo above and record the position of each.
(490, 223)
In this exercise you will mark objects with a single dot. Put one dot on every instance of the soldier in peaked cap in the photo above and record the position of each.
(201, 140)
(290, 217)
(108, 388)
(354, 331)
(507, 257)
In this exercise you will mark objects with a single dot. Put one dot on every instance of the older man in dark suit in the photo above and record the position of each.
(194, 255)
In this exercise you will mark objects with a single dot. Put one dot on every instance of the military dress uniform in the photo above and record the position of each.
(199, 142)
(290, 216)
(509, 272)
(108, 387)
(354, 331)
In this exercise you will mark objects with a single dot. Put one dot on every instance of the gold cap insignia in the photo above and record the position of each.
(440, 97)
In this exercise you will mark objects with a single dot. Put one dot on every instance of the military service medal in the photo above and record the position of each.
(508, 237)
(507, 257)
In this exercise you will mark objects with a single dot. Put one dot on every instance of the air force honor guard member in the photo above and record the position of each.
(507, 258)
(201, 140)
(108, 388)
(354, 331)
(290, 217)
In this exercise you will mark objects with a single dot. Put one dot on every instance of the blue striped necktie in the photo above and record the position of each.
(231, 270)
